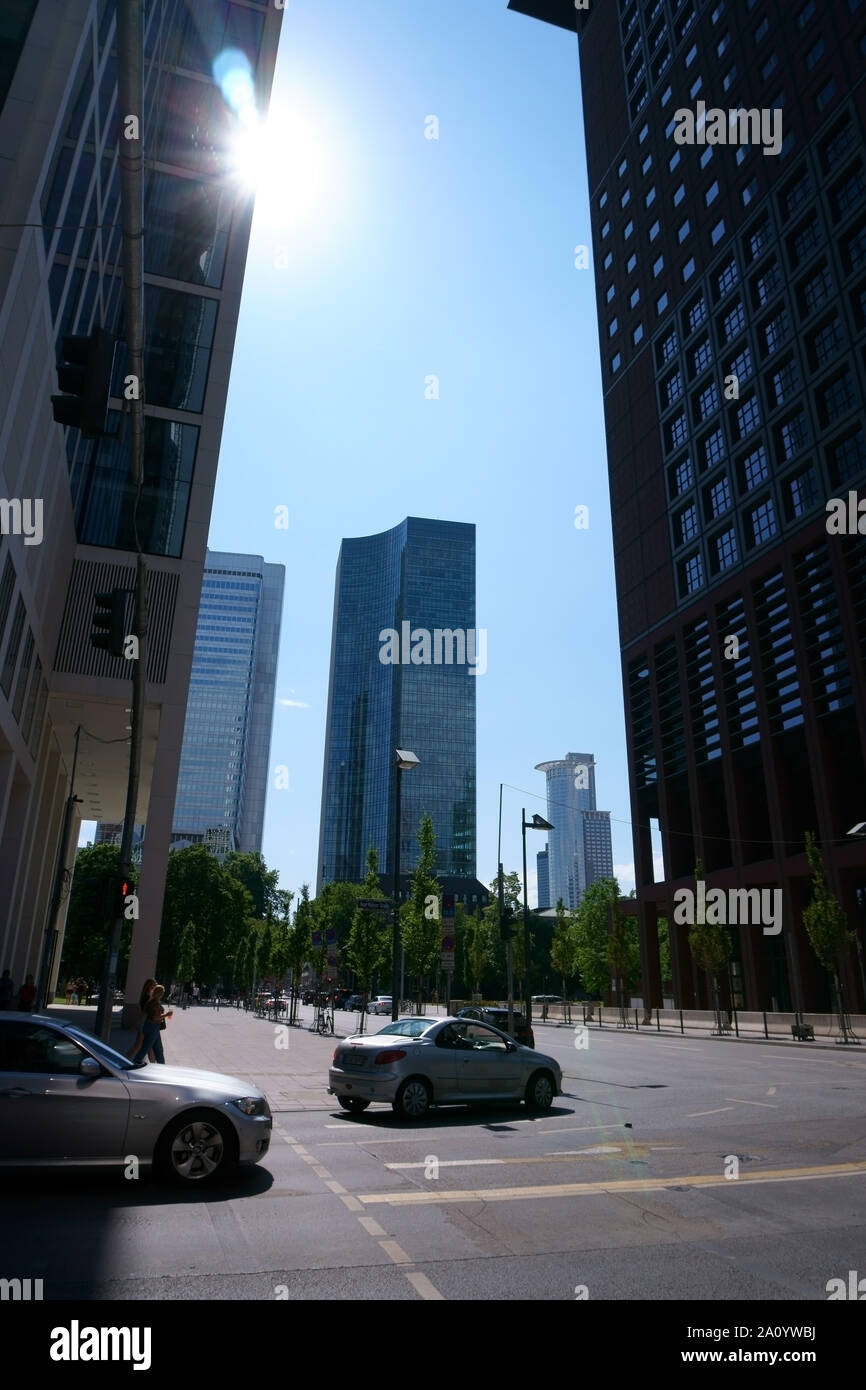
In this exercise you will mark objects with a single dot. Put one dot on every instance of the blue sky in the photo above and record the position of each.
(378, 258)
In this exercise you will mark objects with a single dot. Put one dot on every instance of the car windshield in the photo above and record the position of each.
(99, 1048)
(408, 1027)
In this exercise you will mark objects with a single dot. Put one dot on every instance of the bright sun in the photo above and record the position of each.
(281, 160)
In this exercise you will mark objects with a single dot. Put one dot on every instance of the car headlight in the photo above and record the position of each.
(252, 1105)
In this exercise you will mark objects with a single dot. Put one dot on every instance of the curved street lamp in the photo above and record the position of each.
(537, 823)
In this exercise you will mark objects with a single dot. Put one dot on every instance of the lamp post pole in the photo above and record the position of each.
(395, 932)
(526, 990)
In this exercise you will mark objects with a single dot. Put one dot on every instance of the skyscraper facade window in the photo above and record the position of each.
(579, 850)
(742, 614)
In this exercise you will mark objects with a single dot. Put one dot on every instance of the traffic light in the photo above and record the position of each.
(109, 621)
(84, 375)
(507, 923)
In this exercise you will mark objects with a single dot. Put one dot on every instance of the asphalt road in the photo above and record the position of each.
(620, 1192)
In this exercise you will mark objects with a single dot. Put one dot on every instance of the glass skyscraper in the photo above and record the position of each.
(579, 850)
(223, 776)
(417, 578)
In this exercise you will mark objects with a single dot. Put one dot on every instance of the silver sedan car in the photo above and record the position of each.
(419, 1062)
(68, 1098)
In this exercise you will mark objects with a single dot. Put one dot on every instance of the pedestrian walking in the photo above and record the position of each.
(7, 990)
(70, 989)
(153, 1026)
(26, 995)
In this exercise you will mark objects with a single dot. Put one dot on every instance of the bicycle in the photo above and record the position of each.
(325, 1022)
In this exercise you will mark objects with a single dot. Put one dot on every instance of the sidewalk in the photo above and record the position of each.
(701, 1023)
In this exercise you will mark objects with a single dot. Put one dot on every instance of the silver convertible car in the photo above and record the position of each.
(68, 1098)
(419, 1062)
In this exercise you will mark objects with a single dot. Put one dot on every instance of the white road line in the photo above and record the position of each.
(455, 1163)
(395, 1252)
(693, 1114)
(765, 1103)
(771, 1091)
(371, 1226)
(421, 1284)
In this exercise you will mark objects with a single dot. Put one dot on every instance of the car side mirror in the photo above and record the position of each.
(89, 1067)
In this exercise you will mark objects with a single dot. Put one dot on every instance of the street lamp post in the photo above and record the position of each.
(537, 823)
(405, 762)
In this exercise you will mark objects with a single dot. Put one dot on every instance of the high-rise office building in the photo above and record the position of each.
(61, 274)
(727, 183)
(223, 778)
(542, 866)
(579, 848)
(405, 656)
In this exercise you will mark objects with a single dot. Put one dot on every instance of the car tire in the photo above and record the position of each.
(539, 1091)
(176, 1160)
(414, 1098)
(354, 1104)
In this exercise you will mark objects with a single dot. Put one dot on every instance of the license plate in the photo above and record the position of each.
(353, 1059)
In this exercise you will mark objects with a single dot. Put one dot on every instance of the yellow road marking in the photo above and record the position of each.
(602, 1188)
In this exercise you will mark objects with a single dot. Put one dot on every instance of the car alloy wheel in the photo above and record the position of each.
(413, 1099)
(354, 1104)
(539, 1092)
(196, 1148)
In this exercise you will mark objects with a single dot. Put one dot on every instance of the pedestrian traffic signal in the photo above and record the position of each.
(84, 375)
(506, 923)
(109, 621)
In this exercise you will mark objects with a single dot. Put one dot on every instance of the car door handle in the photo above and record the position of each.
(16, 1093)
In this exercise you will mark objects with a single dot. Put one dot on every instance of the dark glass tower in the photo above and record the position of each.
(422, 574)
(731, 290)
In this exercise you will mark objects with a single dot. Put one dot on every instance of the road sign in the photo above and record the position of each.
(375, 905)
(448, 944)
(447, 961)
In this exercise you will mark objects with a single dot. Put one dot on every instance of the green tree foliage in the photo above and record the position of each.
(199, 889)
(369, 937)
(93, 900)
(478, 943)
(422, 929)
(562, 948)
(260, 882)
(824, 918)
(709, 943)
(593, 925)
(186, 954)
(298, 943)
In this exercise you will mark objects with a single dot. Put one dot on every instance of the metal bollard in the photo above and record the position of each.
(736, 1025)
(766, 1034)
(658, 1024)
(637, 1030)
(682, 1029)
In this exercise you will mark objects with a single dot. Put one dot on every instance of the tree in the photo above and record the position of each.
(595, 926)
(186, 954)
(477, 947)
(562, 949)
(710, 946)
(92, 903)
(299, 939)
(260, 882)
(422, 929)
(367, 950)
(827, 927)
(198, 889)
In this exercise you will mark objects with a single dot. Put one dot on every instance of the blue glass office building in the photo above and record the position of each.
(422, 574)
(223, 779)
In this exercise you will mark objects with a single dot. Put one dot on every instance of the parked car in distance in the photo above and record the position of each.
(354, 1001)
(417, 1063)
(499, 1018)
(547, 998)
(89, 1106)
(382, 1004)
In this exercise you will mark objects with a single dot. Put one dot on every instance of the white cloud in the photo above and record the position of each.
(294, 704)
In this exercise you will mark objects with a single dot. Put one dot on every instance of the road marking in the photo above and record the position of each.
(395, 1252)
(766, 1104)
(771, 1091)
(693, 1114)
(604, 1150)
(423, 1197)
(425, 1137)
(336, 1187)
(421, 1284)
(352, 1203)
(371, 1226)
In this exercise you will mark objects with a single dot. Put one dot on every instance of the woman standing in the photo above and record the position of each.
(143, 999)
(154, 1021)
